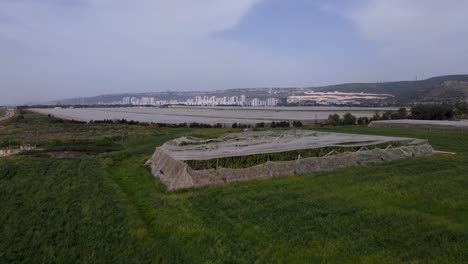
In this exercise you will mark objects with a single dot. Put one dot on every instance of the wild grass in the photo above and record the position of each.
(111, 209)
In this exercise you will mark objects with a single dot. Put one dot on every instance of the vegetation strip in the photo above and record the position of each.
(239, 162)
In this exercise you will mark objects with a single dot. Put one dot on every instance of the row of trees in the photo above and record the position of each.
(401, 113)
(439, 111)
(116, 121)
(432, 112)
(201, 125)
(272, 124)
(347, 120)
(461, 109)
(418, 112)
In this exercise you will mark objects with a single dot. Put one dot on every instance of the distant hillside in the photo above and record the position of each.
(450, 88)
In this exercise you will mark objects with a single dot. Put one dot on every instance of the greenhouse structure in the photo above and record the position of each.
(193, 162)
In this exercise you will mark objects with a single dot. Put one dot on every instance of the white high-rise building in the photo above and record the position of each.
(255, 102)
(229, 100)
(243, 100)
(272, 102)
(134, 101)
(146, 100)
(198, 100)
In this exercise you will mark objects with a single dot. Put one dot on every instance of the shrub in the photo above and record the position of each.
(349, 119)
(297, 123)
(260, 125)
(334, 120)
(199, 125)
(402, 113)
(362, 121)
(377, 116)
(283, 124)
(461, 109)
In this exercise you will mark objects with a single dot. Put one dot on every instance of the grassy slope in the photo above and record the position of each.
(411, 210)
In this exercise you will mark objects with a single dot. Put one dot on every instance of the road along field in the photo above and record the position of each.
(204, 115)
(108, 208)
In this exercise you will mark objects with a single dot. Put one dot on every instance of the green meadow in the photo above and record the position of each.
(106, 207)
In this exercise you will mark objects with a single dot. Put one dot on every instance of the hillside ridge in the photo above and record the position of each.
(440, 89)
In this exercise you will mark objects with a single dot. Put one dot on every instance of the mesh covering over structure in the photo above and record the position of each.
(169, 162)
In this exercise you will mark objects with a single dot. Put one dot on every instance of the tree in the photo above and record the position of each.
(377, 116)
(297, 123)
(283, 124)
(461, 109)
(260, 125)
(402, 113)
(349, 119)
(334, 120)
(362, 121)
(387, 115)
(432, 112)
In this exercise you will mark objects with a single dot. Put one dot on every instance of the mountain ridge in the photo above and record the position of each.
(440, 89)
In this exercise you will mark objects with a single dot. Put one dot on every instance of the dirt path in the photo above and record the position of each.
(10, 112)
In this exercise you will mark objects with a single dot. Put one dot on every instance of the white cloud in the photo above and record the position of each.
(61, 48)
(417, 36)
(90, 47)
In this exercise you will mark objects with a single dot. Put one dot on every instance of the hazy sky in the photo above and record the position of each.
(51, 49)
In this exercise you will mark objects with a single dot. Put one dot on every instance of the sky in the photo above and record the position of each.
(55, 49)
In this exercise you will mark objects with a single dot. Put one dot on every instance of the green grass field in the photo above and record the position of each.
(110, 208)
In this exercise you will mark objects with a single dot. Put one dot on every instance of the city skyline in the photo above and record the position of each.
(241, 100)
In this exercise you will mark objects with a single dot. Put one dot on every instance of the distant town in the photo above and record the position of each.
(441, 89)
(203, 101)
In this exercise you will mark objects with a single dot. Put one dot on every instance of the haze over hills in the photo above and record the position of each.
(442, 89)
